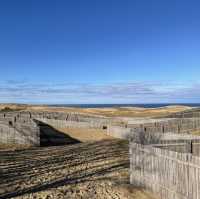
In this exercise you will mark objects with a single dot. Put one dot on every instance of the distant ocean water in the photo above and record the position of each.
(123, 105)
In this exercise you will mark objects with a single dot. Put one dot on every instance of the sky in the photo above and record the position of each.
(99, 51)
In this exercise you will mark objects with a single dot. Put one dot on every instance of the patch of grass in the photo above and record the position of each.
(197, 132)
(8, 109)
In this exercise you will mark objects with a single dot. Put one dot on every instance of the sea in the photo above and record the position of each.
(125, 105)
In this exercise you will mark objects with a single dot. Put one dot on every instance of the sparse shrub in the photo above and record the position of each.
(145, 138)
(6, 109)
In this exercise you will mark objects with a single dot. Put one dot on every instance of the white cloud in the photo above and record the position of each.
(133, 92)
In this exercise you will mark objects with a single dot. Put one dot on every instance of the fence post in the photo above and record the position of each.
(188, 158)
(190, 146)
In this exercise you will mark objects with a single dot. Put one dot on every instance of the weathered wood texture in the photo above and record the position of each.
(71, 124)
(19, 127)
(177, 126)
(19, 134)
(169, 174)
(17, 130)
(191, 145)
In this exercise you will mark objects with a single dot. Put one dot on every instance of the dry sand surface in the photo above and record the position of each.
(110, 112)
(86, 170)
(85, 135)
(98, 168)
(91, 169)
(138, 112)
(118, 112)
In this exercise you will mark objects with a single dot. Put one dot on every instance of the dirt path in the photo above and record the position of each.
(86, 170)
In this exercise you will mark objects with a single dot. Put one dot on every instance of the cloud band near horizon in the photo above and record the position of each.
(66, 93)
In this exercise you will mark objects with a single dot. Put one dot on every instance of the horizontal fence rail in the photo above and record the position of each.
(19, 133)
(71, 124)
(169, 174)
(174, 126)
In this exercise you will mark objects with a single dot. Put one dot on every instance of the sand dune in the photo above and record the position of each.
(110, 112)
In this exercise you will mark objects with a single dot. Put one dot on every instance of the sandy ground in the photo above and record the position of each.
(119, 112)
(80, 171)
(137, 112)
(110, 112)
(98, 168)
(85, 135)
(12, 147)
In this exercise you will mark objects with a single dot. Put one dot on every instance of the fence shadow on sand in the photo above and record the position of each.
(49, 136)
(45, 168)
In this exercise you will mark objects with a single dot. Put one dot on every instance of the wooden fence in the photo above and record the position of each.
(71, 124)
(19, 134)
(168, 174)
(175, 126)
(181, 145)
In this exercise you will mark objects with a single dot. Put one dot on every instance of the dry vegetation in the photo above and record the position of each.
(87, 170)
(90, 169)
(98, 167)
(119, 111)
(197, 132)
(110, 112)
(135, 111)
(12, 147)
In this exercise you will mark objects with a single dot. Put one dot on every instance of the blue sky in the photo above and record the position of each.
(99, 51)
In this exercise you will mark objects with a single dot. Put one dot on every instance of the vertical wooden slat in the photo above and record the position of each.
(170, 174)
